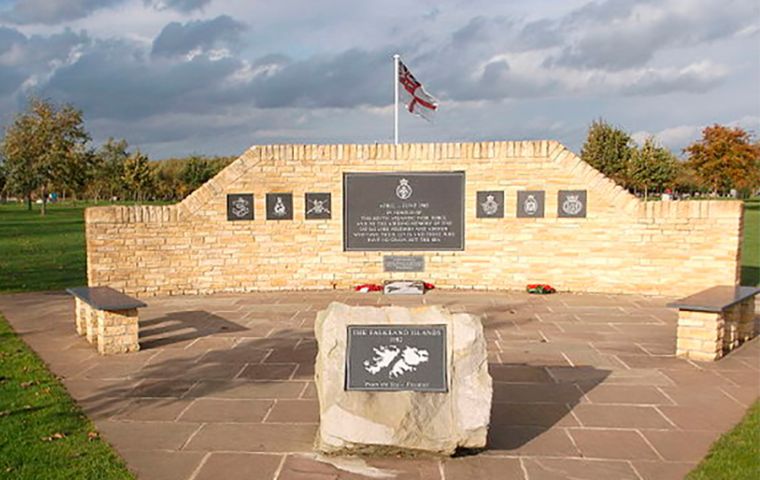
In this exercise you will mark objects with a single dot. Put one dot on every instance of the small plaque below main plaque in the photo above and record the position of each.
(490, 204)
(279, 206)
(403, 263)
(530, 204)
(318, 206)
(571, 203)
(239, 206)
(396, 358)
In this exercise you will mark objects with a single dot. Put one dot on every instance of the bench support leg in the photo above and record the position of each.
(700, 335)
(117, 331)
(747, 329)
(91, 324)
(81, 310)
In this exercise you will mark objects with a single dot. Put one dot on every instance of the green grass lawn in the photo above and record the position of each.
(43, 433)
(751, 252)
(41, 253)
(736, 455)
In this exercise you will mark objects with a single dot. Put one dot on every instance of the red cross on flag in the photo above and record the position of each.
(417, 100)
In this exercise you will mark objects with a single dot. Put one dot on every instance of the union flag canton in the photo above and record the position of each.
(418, 101)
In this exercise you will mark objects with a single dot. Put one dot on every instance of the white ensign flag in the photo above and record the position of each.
(417, 100)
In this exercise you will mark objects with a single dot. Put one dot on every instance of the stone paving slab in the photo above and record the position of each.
(585, 387)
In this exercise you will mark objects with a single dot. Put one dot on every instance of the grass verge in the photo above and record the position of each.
(736, 455)
(43, 433)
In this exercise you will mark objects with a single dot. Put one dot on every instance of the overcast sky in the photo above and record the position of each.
(177, 77)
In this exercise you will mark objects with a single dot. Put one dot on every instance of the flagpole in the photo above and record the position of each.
(395, 98)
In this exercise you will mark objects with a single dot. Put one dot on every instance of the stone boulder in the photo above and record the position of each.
(389, 422)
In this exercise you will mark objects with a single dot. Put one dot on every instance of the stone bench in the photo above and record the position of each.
(108, 318)
(713, 322)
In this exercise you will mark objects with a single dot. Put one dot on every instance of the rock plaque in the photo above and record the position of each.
(403, 211)
(396, 357)
(405, 263)
(379, 417)
(530, 204)
(239, 206)
(279, 206)
(571, 203)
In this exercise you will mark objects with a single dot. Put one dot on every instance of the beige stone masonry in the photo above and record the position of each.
(117, 331)
(82, 312)
(707, 336)
(624, 245)
(90, 323)
(112, 331)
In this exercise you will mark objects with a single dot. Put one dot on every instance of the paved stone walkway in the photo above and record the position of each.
(586, 387)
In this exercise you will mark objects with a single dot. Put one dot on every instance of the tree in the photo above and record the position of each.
(42, 146)
(196, 172)
(107, 170)
(725, 158)
(686, 179)
(138, 175)
(3, 177)
(652, 167)
(609, 150)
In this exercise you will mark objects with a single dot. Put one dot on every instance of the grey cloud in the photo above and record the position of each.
(10, 37)
(613, 35)
(114, 80)
(480, 30)
(178, 39)
(348, 79)
(53, 12)
(35, 56)
(184, 6)
(537, 35)
(662, 83)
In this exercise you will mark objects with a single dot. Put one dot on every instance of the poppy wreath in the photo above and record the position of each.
(368, 287)
(540, 288)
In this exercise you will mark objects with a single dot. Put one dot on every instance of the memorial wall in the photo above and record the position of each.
(490, 215)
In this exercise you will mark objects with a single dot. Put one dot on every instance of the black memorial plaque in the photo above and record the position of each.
(395, 263)
(317, 206)
(240, 206)
(396, 357)
(571, 203)
(490, 204)
(279, 206)
(530, 203)
(403, 211)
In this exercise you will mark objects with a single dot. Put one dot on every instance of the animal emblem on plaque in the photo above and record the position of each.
(240, 207)
(404, 190)
(279, 208)
(530, 205)
(572, 205)
(318, 207)
(490, 206)
(395, 361)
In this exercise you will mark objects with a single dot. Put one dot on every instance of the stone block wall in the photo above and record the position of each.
(623, 245)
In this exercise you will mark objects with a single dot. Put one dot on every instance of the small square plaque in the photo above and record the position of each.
(571, 203)
(279, 206)
(239, 206)
(490, 204)
(530, 204)
(317, 206)
(396, 358)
